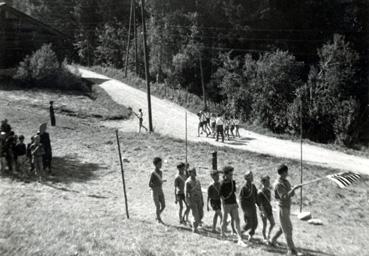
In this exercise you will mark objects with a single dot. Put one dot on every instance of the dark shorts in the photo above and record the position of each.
(213, 125)
(141, 120)
(232, 127)
(180, 197)
(207, 120)
(268, 213)
(216, 204)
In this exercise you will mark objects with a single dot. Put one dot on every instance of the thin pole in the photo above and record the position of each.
(135, 35)
(122, 171)
(301, 169)
(146, 57)
(186, 134)
(202, 81)
(128, 37)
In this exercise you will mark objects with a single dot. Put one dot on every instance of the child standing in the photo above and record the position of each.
(20, 153)
(214, 199)
(194, 198)
(219, 127)
(229, 202)
(236, 122)
(248, 197)
(179, 184)
(156, 184)
(263, 201)
(37, 151)
(140, 120)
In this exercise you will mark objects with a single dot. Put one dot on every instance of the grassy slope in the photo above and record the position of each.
(80, 211)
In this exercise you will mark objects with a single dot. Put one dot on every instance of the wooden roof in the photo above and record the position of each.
(33, 20)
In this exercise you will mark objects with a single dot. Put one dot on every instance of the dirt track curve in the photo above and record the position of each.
(168, 119)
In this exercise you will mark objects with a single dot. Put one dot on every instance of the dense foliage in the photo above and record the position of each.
(42, 69)
(259, 57)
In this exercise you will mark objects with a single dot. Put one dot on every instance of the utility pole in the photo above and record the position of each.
(135, 34)
(301, 170)
(128, 38)
(202, 81)
(146, 64)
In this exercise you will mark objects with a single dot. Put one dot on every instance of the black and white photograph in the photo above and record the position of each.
(184, 127)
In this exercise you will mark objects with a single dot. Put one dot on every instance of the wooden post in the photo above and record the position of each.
(128, 37)
(186, 135)
(135, 35)
(301, 170)
(122, 171)
(202, 82)
(214, 162)
(146, 58)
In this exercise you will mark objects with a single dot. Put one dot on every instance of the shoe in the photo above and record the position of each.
(272, 243)
(241, 243)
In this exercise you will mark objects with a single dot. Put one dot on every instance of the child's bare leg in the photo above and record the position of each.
(264, 219)
(187, 212)
(180, 211)
(232, 225)
(272, 224)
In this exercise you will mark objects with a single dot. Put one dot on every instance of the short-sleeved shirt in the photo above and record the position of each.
(156, 182)
(213, 191)
(179, 182)
(20, 149)
(248, 195)
(236, 121)
(219, 121)
(281, 189)
(263, 199)
(193, 188)
(227, 191)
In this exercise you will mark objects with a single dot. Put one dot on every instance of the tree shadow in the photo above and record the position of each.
(66, 170)
(70, 169)
(239, 141)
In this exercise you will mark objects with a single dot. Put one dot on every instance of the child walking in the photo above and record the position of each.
(248, 197)
(214, 199)
(265, 207)
(179, 184)
(20, 153)
(194, 199)
(156, 184)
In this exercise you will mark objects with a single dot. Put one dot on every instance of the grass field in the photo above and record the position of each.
(80, 209)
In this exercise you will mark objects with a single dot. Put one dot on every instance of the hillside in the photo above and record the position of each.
(80, 211)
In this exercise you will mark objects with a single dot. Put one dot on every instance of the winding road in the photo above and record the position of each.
(169, 119)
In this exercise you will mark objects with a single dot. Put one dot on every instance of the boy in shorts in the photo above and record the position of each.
(156, 184)
(179, 184)
(248, 197)
(214, 199)
(194, 198)
(263, 201)
(229, 203)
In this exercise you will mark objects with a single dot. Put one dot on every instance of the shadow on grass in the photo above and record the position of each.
(66, 170)
(255, 243)
(70, 169)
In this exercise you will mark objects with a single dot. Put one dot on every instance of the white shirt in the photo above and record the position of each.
(219, 121)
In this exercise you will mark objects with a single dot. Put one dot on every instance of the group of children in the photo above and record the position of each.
(221, 125)
(221, 195)
(26, 160)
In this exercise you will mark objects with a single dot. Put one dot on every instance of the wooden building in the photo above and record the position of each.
(20, 35)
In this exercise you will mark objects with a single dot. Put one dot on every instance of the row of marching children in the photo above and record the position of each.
(221, 195)
(26, 160)
(218, 126)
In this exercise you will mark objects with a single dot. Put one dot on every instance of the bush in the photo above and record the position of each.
(273, 88)
(39, 65)
(42, 69)
(331, 108)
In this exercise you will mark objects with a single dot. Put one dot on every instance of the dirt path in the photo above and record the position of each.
(169, 119)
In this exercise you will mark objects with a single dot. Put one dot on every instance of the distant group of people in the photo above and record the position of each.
(218, 126)
(28, 160)
(221, 195)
